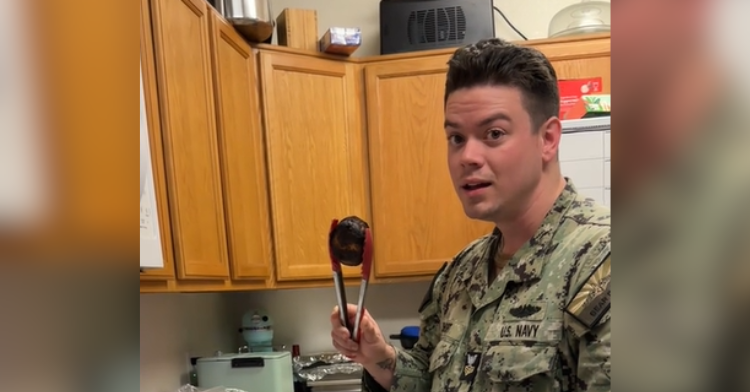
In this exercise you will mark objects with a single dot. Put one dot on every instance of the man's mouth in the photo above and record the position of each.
(475, 186)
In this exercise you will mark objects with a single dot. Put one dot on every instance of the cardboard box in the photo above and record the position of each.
(341, 40)
(590, 106)
(572, 90)
(298, 28)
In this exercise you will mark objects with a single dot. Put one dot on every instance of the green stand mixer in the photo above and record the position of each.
(257, 330)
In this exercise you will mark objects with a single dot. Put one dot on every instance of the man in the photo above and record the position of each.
(681, 179)
(525, 308)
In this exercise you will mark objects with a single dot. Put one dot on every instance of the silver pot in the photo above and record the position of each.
(251, 18)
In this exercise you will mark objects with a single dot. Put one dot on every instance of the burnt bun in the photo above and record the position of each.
(347, 241)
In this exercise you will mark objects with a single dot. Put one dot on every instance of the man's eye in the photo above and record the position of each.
(495, 134)
(455, 139)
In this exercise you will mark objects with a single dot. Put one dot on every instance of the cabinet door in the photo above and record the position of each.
(157, 151)
(581, 57)
(189, 132)
(315, 158)
(418, 220)
(242, 153)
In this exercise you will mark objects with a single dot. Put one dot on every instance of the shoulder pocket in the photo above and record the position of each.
(442, 354)
(510, 365)
(450, 338)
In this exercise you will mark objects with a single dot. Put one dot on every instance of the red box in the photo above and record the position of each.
(572, 90)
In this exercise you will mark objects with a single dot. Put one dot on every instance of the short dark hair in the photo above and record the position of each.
(496, 62)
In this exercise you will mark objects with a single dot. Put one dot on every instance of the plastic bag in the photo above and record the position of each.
(190, 388)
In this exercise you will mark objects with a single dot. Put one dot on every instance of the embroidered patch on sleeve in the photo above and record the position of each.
(593, 300)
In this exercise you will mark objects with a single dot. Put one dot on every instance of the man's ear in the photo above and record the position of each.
(550, 133)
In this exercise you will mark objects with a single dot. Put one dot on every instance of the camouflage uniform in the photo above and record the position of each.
(519, 333)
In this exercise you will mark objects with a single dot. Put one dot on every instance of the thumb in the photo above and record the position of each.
(370, 333)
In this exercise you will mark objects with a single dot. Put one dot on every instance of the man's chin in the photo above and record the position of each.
(480, 214)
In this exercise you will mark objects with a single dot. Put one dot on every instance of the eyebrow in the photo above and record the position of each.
(487, 121)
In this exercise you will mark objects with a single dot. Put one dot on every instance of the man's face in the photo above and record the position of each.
(495, 158)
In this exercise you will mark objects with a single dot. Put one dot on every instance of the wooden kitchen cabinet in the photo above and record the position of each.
(186, 96)
(417, 218)
(216, 162)
(155, 277)
(242, 153)
(316, 161)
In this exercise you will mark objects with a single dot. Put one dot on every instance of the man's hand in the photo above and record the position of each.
(372, 351)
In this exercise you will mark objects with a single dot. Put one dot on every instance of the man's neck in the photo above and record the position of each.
(523, 226)
(668, 124)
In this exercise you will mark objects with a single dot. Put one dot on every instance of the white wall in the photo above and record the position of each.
(303, 316)
(175, 327)
(531, 17)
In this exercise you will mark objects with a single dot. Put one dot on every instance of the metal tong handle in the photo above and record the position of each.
(366, 268)
(338, 281)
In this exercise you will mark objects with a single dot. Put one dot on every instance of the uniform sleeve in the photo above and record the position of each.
(594, 362)
(412, 367)
(589, 324)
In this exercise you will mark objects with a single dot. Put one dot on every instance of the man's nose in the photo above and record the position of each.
(472, 153)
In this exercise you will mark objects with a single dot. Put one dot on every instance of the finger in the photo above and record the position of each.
(335, 322)
(351, 354)
(344, 340)
(352, 313)
(336, 318)
(345, 351)
(344, 335)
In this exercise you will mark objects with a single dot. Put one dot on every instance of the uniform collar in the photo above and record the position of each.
(526, 264)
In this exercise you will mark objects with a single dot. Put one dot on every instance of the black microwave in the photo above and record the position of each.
(414, 25)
